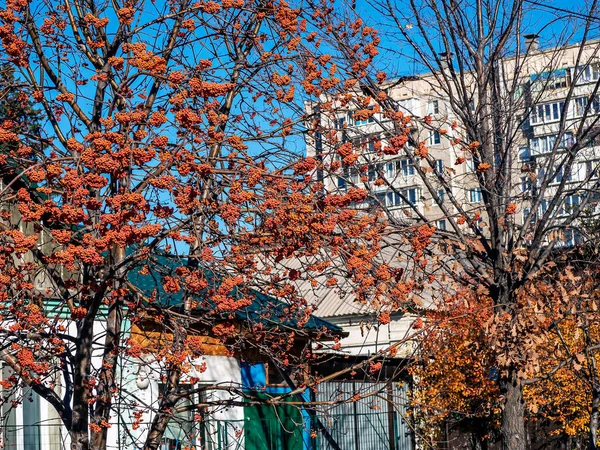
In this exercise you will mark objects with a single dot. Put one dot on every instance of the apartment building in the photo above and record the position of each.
(551, 95)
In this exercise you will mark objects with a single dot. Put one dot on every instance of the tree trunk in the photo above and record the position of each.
(513, 416)
(594, 418)
(79, 440)
(106, 379)
(164, 412)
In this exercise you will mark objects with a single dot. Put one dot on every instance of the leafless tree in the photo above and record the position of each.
(505, 159)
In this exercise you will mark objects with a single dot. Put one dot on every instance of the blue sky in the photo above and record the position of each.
(556, 22)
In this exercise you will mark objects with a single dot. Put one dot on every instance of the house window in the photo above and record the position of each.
(181, 430)
(592, 169)
(441, 225)
(581, 104)
(412, 195)
(372, 172)
(540, 174)
(475, 195)
(470, 165)
(525, 184)
(570, 203)
(31, 421)
(339, 123)
(441, 193)
(395, 198)
(407, 168)
(371, 119)
(544, 144)
(439, 166)
(366, 142)
(390, 170)
(572, 238)
(518, 92)
(341, 183)
(560, 174)
(350, 175)
(434, 138)
(524, 154)
(549, 112)
(433, 107)
(586, 74)
(553, 79)
(392, 199)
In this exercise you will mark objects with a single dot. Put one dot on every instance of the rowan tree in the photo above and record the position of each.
(167, 148)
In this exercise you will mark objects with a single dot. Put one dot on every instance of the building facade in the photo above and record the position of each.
(552, 100)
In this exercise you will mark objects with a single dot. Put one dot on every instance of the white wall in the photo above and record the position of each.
(366, 340)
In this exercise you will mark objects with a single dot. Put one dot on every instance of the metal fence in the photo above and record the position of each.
(376, 420)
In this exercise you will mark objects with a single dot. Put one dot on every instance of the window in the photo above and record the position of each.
(357, 122)
(572, 238)
(540, 175)
(586, 74)
(545, 144)
(366, 142)
(351, 175)
(31, 420)
(339, 123)
(470, 165)
(591, 169)
(552, 79)
(519, 91)
(441, 225)
(581, 104)
(440, 194)
(526, 212)
(439, 166)
(524, 154)
(525, 184)
(433, 107)
(412, 194)
(434, 138)
(560, 175)
(341, 183)
(181, 430)
(475, 195)
(410, 106)
(394, 199)
(390, 170)
(407, 168)
(372, 172)
(549, 112)
(570, 203)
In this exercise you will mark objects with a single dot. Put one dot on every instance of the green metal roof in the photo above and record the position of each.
(264, 309)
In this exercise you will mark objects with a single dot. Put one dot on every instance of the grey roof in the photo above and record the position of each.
(340, 300)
